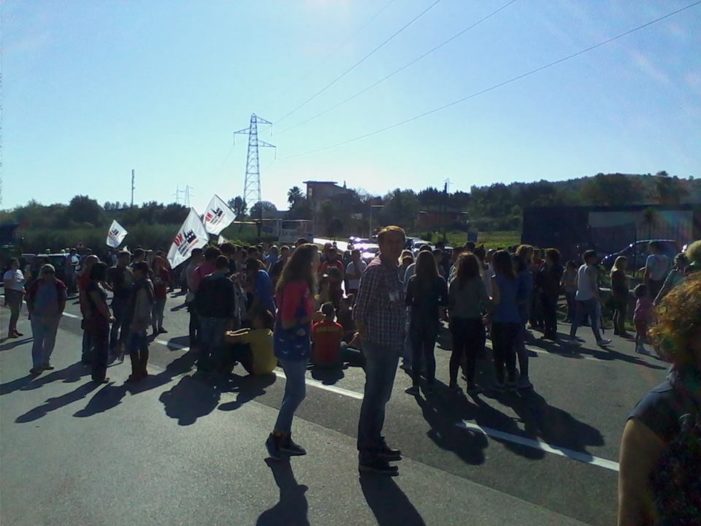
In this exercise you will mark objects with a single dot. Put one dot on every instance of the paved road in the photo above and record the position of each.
(178, 450)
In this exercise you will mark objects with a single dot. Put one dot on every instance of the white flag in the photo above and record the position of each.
(115, 235)
(191, 235)
(218, 216)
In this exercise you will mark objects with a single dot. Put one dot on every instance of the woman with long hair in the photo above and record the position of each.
(292, 342)
(468, 301)
(426, 294)
(619, 295)
(506, 319)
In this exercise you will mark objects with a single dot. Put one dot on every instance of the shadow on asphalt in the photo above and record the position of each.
(247, 387)
(177, 343)
(108, 397)
(576, 351)
(70, 374)
(12, 343)
(189, 400)
(328, 375)
(388, 502)
(292, 507)
(442, 410)
(52, 404)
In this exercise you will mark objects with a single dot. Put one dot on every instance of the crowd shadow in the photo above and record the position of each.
(109, 397)
(52, 404)
(71, 374)
(328, 375)
(388, 502)
(570, 350)
(444, 413)
(189, 400)
(247, 387)
(11, 343)
(292, 507)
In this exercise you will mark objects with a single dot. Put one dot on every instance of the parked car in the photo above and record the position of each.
(637, 253)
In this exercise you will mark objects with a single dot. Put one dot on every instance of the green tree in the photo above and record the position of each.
(294, 195)
(267, 209)
(239, 206)
(82, 209)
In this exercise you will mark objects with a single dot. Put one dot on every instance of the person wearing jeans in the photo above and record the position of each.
(379, 315)
(292, 343)
(46, 300)
(588, 298)
(468, 301)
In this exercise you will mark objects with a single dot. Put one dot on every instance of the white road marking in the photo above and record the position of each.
(537, 443)
(69, 315)
(175, 346)
(331, 388)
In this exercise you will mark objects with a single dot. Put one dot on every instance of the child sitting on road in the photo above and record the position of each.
(642, 317)
(344, 316)
(326, 337)
(253, 348)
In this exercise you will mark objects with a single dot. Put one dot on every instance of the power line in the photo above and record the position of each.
(358, 63)
(500, 84)
(400, 69)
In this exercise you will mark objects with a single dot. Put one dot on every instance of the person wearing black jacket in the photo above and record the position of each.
(215, 303)
(548, 281)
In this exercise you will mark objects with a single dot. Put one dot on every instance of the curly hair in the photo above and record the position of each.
(678, 319)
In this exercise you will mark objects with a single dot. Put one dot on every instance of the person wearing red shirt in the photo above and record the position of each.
(332, 261)
(327, 336)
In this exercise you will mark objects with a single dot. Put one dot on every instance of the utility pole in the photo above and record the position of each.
(132, 188)
(251, 186)
(445, 208)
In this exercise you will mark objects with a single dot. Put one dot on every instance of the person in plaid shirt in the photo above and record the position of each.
(380, 316)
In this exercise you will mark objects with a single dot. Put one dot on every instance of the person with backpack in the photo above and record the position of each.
(46, 300)
(660, 458)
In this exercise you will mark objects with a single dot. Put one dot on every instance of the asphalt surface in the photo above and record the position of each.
(183, 450)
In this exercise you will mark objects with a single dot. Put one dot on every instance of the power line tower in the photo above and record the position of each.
(251, 186)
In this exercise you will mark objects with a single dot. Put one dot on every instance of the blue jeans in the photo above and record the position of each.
(295, 392)
(120, 327)
(211, 338)
(380, 370)
(591, 309)
(44, 330)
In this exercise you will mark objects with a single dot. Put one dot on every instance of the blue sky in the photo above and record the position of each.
(93, 89)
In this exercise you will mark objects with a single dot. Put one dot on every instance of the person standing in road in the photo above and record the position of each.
(380, 316)
(354, 271)
(276, 268)
(619, 295)
(548, 280)
(46, 300)
(506, 319)
(161, 282)
(98, 318)
(292, 343)
(83, 282)
(468, 301)
(427, 294)
(215, 302)
(588, 298)
(120, 279)
(261, 288)
(656, 268)
(14, 293)
(140, 309)
(196, 259)
(569, 285)
(674, 278)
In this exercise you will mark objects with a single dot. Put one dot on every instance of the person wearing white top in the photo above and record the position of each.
(14, 293)
(354, 271)
(587, 298)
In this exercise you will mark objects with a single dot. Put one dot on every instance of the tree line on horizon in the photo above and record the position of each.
(497, 206)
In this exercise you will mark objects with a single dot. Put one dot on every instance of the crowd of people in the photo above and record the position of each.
(264, 307)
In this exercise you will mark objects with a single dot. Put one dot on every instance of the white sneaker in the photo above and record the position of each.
(603, 342)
